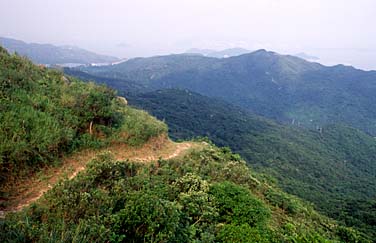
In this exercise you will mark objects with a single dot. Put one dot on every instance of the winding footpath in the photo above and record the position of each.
(30, 190)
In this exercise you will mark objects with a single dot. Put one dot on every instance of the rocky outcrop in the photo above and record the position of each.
(122, 100)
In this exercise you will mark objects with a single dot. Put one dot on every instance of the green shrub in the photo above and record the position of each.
(238, 206)
(283, 201)
(147, 218)
(138, 127)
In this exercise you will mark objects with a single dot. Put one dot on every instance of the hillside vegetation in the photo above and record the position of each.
(45, 115)
(208, 196)
(334, 167)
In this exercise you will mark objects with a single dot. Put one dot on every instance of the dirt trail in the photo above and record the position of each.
(30, 190)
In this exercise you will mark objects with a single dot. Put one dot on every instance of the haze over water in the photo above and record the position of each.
(336, 31)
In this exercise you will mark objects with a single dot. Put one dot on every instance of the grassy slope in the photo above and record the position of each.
(45, 115)
(334, 169)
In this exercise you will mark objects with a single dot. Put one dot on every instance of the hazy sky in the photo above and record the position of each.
(337, 31)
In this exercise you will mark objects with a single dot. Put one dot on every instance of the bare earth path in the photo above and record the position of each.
(32, 189)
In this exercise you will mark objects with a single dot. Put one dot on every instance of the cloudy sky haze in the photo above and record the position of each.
(338, 31)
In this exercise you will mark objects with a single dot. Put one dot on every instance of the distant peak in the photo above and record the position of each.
(264, 52)
(260, 51)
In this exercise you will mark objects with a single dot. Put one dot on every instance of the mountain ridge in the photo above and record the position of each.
(281, 87)
(225, 53)
(52, 54)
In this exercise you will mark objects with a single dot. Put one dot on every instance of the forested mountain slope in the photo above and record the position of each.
(334, 167)
(282, 87)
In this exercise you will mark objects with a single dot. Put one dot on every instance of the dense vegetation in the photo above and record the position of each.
(210, 195)
(334, 168)
(285, 88)
(50, 54)
(207, 196)
(45, 114)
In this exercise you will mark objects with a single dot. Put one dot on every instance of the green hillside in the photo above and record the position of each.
(334, 168)
(285, 88)
(45, 115)
(206, 196)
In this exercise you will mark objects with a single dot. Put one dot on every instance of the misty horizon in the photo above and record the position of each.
(335, 32)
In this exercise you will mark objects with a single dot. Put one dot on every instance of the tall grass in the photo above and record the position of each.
(44, 114)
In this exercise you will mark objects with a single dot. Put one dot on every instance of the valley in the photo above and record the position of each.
(333, 168)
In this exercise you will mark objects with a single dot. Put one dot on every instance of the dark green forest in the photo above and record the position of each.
(282, 87)
(333, 167)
